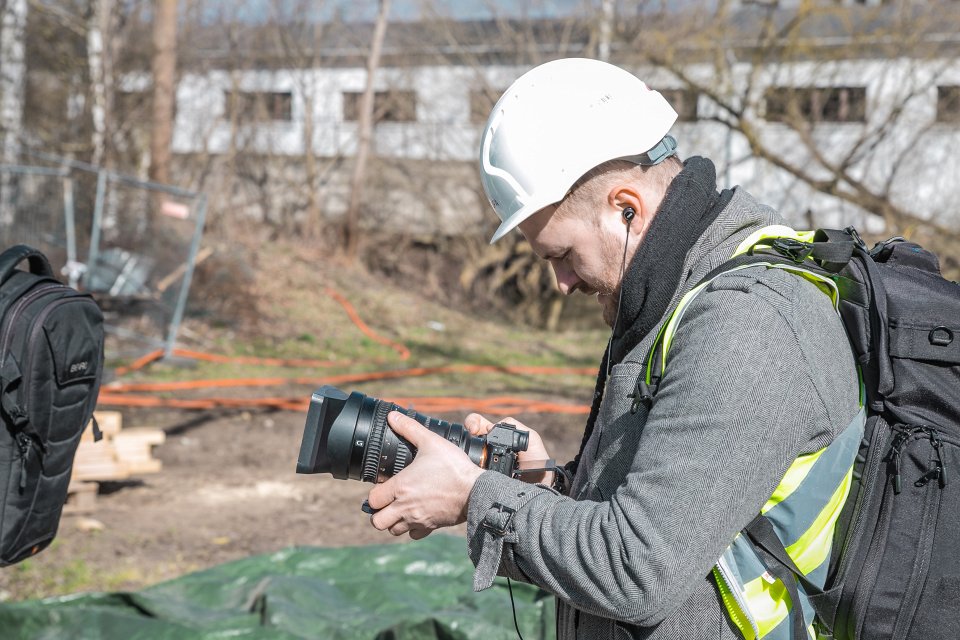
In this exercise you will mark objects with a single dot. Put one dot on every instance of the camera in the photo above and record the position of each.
(348, 437)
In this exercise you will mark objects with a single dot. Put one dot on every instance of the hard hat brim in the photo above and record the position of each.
(514, 220)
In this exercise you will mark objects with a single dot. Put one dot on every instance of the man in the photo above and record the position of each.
(757, 410)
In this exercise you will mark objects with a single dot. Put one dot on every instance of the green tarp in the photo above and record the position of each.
(415, 591)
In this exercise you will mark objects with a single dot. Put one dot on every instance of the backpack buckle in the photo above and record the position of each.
(855, 235)
(642, 395)
(793, 249)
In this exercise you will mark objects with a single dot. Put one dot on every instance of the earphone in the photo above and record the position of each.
(628, 213)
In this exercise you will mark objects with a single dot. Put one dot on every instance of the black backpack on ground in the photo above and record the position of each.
(895, 566)
(51, 358)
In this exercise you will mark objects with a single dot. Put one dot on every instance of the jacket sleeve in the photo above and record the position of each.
(752, 382)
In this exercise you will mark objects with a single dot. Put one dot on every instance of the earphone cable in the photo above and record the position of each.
(623, 271)
(513, 607)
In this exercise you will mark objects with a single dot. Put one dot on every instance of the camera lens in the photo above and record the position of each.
(348, 437)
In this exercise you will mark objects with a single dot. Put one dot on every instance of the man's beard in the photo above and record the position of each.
(608, 306)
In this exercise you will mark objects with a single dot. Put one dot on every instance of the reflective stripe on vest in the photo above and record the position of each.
(804, 507)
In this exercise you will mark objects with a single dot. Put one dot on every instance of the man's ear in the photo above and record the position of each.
(625, 199)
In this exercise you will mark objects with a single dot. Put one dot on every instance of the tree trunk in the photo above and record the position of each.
(100, 58)
(13, 73)
(310, 161)
(606, 29)
(364, 134)
(164, 85)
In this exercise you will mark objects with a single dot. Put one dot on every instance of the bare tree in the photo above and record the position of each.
(831, 98)
(299, 37)
(365, 124)
(164, 87)
(605, 28)
(102, 45)
(494, 52)
(12, 85)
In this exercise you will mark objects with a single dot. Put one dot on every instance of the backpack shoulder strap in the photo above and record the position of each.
(814, 255)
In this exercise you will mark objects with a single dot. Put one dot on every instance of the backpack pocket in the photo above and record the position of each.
(934, 611)
(898, 565)
(33, 503)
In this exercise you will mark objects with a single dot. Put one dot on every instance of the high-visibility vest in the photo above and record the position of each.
(804, 507)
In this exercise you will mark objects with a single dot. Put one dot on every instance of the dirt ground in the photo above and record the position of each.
(228, 489)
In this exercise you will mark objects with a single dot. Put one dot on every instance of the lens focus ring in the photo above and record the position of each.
(371, 458)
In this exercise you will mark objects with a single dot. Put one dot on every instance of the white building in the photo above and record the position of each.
(887, 112)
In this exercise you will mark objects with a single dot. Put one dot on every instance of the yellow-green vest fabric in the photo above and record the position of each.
(804, 507)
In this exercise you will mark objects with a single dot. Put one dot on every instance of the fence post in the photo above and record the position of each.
(93, 253)
(187, 277)
(73, 273)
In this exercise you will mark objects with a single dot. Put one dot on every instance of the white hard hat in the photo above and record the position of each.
(560, 120)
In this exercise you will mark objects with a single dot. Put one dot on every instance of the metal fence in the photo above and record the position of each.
(132, 244)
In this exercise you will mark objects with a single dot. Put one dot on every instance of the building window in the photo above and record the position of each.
(259, 106)
(683, 101)
(388, 106)
(827, 104)
(481, 104)
(948, 104)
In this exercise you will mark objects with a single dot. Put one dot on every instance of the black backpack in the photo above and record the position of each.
(51, 358)
(895, 567)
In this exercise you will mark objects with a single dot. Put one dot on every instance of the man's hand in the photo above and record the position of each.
(536, 452)
(431, 492)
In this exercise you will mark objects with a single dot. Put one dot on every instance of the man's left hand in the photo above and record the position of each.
(431, 492)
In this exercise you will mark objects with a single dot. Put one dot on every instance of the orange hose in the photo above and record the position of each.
(212, 357)
(124, 394)
(367, 331)
(428, 404)
(139, 363)
(120, 387)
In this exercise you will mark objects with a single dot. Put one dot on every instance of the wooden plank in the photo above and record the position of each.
(139, 435)
(121, 452)
(81, 498)
(143, 466)
(110, 423)
(134, 449)
(114, 471)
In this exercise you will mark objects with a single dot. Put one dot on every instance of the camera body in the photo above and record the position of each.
(504, 444)
(347, 436)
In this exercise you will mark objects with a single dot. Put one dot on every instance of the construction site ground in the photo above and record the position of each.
(227, 488)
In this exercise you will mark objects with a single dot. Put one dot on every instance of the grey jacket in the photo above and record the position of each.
(760, 371)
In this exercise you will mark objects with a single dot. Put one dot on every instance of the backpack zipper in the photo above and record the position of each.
(16, 311)
(921, 563)
(25, 444)
(864, 589)
(846, 609)
(904, 435)
(939, 470)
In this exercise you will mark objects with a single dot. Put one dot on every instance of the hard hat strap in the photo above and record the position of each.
(661, 151)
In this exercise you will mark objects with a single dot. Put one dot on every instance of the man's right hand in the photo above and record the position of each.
(536, 452)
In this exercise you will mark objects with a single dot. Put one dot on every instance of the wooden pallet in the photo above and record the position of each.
(121, 454)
